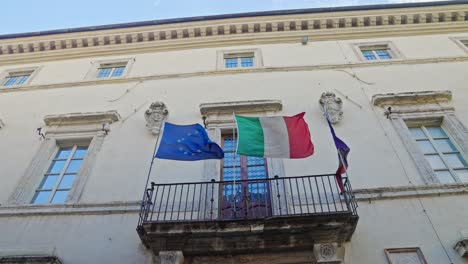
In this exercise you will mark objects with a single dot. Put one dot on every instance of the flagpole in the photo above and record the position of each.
(234, 191)
(325, 108)
(152, 160)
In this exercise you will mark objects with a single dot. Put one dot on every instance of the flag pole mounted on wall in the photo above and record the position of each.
(152, 159)
(342, 150)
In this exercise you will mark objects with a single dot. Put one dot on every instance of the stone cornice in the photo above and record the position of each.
(401, 192)
(133, 207)
(243, 71)
(411, 98)
(238, 31)
(82, 118)
(240, 107)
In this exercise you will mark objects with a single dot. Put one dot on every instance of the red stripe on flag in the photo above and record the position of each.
(300, 145)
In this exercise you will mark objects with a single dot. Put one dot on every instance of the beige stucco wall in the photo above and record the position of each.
(378, 157)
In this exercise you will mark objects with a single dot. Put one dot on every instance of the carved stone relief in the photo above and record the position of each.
(329, 253)
(405, 256)
(171, 257)
(154, 117)
(332, 105)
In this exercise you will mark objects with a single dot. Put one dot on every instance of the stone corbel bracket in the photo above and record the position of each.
(93, 121)
(333, 105)
(412, 101)
(223, 112)
(154, 117)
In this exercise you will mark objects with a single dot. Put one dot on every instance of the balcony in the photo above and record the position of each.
(249, 216)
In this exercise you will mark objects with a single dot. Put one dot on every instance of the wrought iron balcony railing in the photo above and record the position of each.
(247, 199)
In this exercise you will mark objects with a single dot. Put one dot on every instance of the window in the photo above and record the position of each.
(441, 153)
(239, 60)
(16, 78)
(405, 255)
(240, 168)
(61, 174)
(376, 53)
(430, 131)
(111, 70)
(59, 171)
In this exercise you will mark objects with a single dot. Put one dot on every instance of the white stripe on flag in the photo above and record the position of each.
(276, 139)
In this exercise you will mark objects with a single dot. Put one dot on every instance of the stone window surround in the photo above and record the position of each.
(423, 108)
(394, 52)
(415, 250)
(461, 41)
(95, 65)
(32, 70)
(65, 129)
(221, 54)
(220, 120)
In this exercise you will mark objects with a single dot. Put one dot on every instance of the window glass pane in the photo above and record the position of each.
(231, 159)
(230, 173)
(118, 71)
(229, 144)
(255, 161)
(48, 182)
(59, 197)
(104, 72)
(417, 133)
(445, 145)
(247, 62)
(230, 62)
(383, 54)
(74, 166)
(63, 153)
(256, 172)
(22, 79)
(436, 132)
(455, 160)
(462, 174)
(41, 197)
(369, 55)
(10, 81)
(426, 146)
(57, 166)
(435, 161)
(80, 152)
(444, 177)
(67, 181)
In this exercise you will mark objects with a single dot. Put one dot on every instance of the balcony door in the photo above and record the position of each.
(241, 199)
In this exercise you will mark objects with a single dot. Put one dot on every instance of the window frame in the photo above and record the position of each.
(61, 175)
(31, 72)
(96, 66)
(415, 250)
(255, 54)
(423, 125)
(372, 46)
(64, 130)
(431, 107)
(462, 42)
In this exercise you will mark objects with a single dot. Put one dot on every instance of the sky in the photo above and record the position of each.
(39, 15)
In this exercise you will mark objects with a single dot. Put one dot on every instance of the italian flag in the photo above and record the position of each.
(274, 137)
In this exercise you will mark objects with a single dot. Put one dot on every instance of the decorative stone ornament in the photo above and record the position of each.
(154, 116)
(332, 105)
(462, 244)
(171, 257)
(329, 253)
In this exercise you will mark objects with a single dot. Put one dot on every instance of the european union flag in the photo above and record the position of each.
(187, 142)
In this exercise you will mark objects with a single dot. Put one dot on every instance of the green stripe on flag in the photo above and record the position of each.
(250, 141)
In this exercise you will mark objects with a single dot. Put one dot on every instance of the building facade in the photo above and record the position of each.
(81, 111)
